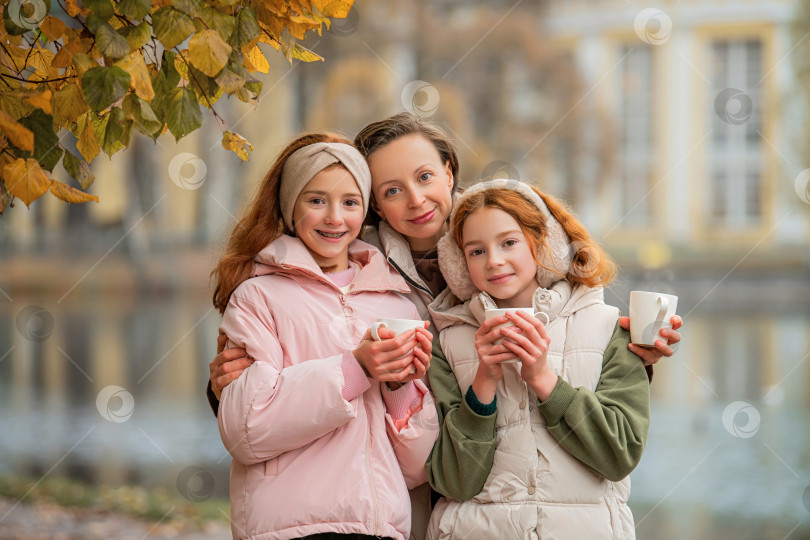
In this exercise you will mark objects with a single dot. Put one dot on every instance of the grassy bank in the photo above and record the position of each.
(135, 501)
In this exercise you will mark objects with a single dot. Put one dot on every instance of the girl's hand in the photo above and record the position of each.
(490, 357)
(529, 342)
(227, 365)
(421, 361)
(651, 356)
(391, 358)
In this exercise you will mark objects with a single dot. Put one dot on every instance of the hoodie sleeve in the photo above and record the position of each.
(606, 429)
(269, 409)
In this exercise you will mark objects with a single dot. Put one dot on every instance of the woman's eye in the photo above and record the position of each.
(425, 176)
(510, 243)
(390, 192)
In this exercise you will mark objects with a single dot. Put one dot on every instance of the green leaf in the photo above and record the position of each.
(103, 86)
(183, 114)
(171, 26)
(254, 86)
(110, 42)
(193, 8)
(229, 81)
(206, 88)
(78, 169)
(94, 22)
(111, 130)
(142, 115)
(208, 52)
(46, 144)
(246, 30)
(168, 70)
(100, 8)
(216, 20)
(136, 36)
(134, 9)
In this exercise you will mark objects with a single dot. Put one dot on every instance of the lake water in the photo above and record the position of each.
(728, 454)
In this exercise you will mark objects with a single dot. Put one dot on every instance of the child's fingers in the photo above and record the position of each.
(624, 322)
(239, 364)
(384, 333)
(521, 341)
(530, 325)
(487, 326)
(222, 339)
(648, 358)
(676, 321)
(522, 354)
(423, 332)
(662, 348)
(671, 335)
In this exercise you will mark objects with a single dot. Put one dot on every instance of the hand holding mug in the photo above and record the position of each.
(385, 354)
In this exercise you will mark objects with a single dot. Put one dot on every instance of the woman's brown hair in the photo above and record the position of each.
(591, 266)
(261, 224)
(378, 134)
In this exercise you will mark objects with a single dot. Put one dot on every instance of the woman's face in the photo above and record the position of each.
(328, 215)
(412, 189)
(499, 257)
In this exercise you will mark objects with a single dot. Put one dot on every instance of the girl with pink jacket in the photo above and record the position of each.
(328, 429)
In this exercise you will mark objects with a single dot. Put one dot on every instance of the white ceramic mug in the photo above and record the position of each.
(649, 313)
(399, 326)
(492, 313)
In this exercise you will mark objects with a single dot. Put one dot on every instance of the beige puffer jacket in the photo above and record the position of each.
(535, 488)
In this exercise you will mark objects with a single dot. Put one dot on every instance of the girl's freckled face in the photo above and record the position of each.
(412, 189)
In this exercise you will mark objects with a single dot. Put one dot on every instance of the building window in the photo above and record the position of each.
(735, 151)
(636, 135)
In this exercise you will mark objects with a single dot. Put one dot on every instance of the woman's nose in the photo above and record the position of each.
(416, 198)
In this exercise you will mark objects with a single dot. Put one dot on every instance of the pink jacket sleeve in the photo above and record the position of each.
(270, 410)
(414, 440)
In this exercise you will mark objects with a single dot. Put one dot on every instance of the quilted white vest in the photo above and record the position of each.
(535, 488)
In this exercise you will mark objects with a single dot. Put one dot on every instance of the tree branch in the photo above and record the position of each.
(38, 82)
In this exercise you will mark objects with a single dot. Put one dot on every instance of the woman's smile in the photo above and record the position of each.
(424, 218)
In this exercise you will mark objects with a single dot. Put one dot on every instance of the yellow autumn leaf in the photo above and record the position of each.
(69, 102)
(139, 79)
(19, 135)
(26, 180)
(41, 60)
(73, 9)
(53, 28)
(237, 144)
(70, 194)
(333, 8)
(257, 61)
(41, 100)
(87, 143)
(208, 52)
(64, 57)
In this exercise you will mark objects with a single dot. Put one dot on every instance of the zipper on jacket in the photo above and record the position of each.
(372, 484)
(407, 278)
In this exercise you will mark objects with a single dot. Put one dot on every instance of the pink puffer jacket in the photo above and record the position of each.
(306, 460)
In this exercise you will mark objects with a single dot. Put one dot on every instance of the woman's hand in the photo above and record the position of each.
(529, 341)
(227, 365)
(490, 357)
(651, 356)
(390, 359)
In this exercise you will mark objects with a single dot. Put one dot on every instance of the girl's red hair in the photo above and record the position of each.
(591, 266)
(261, 224)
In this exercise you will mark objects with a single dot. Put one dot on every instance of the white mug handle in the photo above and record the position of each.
(536, 313)
(374, 327)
